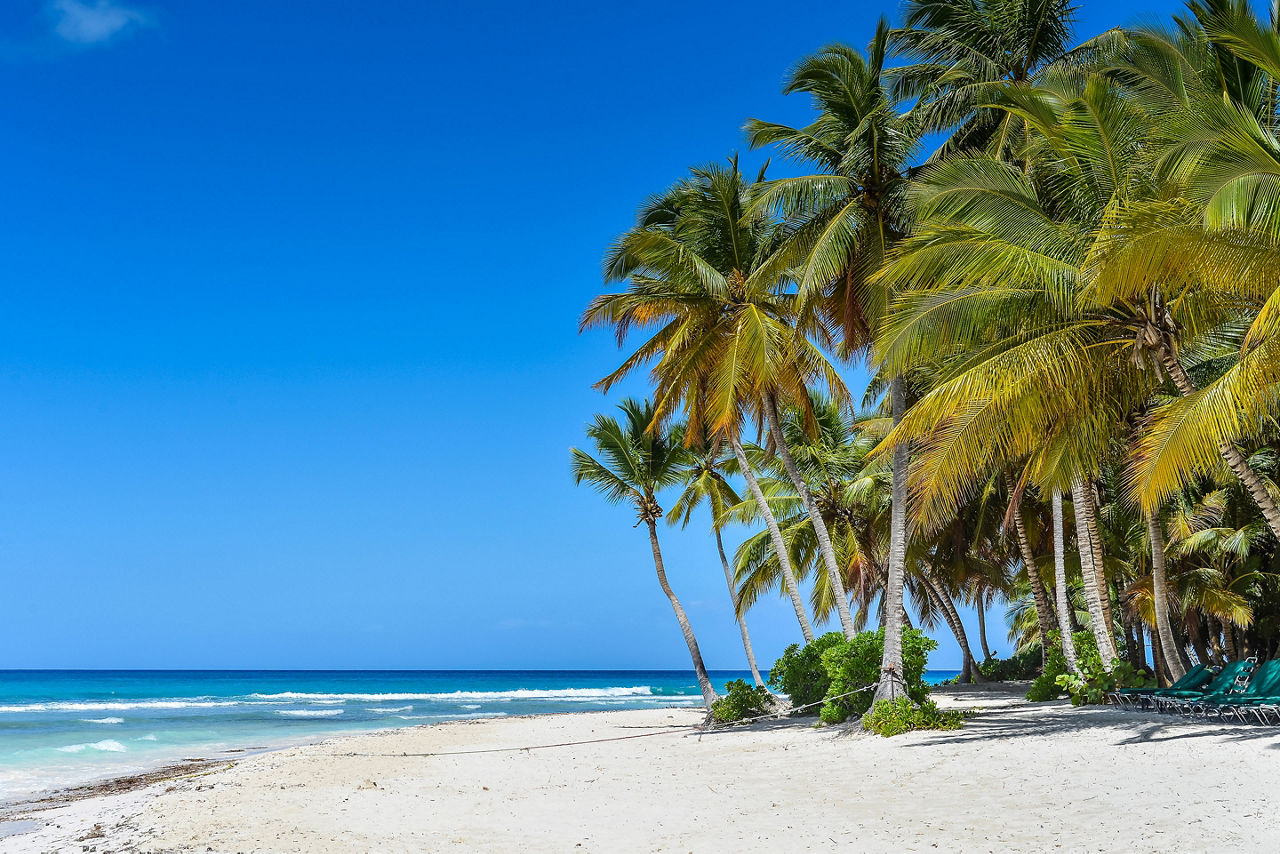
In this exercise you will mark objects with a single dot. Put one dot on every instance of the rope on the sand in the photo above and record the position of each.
(698, 728)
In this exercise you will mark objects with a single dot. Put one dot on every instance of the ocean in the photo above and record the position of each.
(61, 728)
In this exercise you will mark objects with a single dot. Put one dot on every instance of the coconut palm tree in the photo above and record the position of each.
(847, 214)
(1211, 82)
(998, 287)
(636, 463)
(704, 483)
(729, 343)
(963, 53)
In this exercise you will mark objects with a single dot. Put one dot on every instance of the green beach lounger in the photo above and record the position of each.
(1194, 679)
(1180, 699)
(1263, 684)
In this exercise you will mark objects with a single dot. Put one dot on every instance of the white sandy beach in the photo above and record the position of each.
(1019, 777)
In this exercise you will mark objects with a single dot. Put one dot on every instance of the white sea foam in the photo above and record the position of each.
(119, 705)
(102, 721)
(385, 711)
(309, 713)
(580, 694)
(107, 745)
(451, 717)
(470, 706)
(151, 737)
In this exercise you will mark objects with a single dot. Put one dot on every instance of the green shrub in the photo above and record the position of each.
(1055, 679)
(1093, 683)
(741, 701)
(856, 663)
(1021, 665)
(894, 717)
(799, 672)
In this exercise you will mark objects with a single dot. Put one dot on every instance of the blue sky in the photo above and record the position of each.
(289, 366)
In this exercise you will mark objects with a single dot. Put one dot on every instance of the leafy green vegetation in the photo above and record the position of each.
(801, 674)
(1021, 665)
(741, 701)
(894, 717)
(853, 665)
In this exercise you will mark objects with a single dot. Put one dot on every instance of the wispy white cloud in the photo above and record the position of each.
(92, 22)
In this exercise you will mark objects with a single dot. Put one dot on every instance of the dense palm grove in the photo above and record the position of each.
(1061, 261)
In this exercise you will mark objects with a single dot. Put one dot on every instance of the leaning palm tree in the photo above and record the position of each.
(639, 461)
(729, 342)
(831, 455)
(704, 483)
(849, 213)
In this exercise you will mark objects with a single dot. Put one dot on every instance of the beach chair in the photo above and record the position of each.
(1264, 681)
(1180, 699)
(1194, 680)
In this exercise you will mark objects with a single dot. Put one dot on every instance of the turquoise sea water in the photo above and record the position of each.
(62, 728)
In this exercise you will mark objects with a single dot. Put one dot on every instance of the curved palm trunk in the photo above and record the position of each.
(952, 616)
(775, 534)
(982, 630)
(704, 681)
(1039, 596)
(1097, 615)
(815, 517)
(742, 619)
(1060, 584)
(892, 685)
(1160, 595)
(1230, 453)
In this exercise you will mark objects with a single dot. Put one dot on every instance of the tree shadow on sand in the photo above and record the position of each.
(1105, 723)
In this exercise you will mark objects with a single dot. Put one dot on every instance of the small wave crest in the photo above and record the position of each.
(383, 710)
(107, 745)
(102, 720)
(579, 694)
(119, 705)
(451, 717)
(309, 713)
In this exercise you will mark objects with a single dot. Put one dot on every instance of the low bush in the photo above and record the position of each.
(1093, 683)
(855, 664)
(741, 701)
(799, 672)
(894, 717)
(831, 666)
(1022, 665)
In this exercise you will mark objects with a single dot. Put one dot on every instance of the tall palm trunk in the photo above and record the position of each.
(704, 681)
(1095, 543)
(892, 684)
(775, 534)
(952, 616)
(1160, 595)
(1230, 453)
(815, 517)
(741, 617)
(1039, 597)
(1097, 614)
(1060, 584)
(982, 630)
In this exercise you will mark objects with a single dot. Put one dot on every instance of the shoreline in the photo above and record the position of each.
(1019, 777)
(20, 808)
(12, 809)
